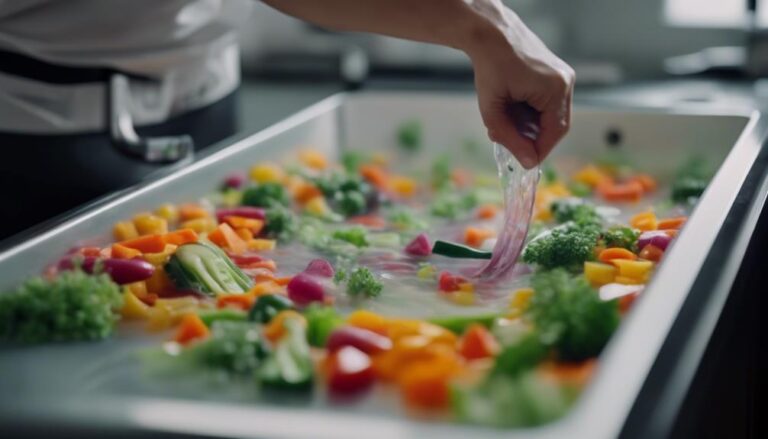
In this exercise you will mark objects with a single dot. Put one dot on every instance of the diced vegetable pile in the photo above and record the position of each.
(346, 277)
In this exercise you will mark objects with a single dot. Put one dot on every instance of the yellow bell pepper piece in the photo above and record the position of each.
(124, 230)
(590, 175)
(313, 159)
(463, 298)
(638, 270)
(403, 186)
(266, 172)
(200, 225)
(644, 221)
(169, 212)
(148, 224)
(133, 308)
(519, 302)
(599, 274)
(158, 259)
(317, 206)
(261, 244)
(368, 320)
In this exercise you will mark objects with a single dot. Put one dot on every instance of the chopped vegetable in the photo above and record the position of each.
(72, 306)
(409, 135)
(280, 223)
(320, 267)
(321, 322)
(570, 314)
(363, 339)
(362, 282)
(305, 289)
(266, 195)
(575, 210)
(209, 316)
(656, 238)
(612, 253)
(453, 250)
(565, 247)
(191, 328)
(122, 271)
(441, 173)
(356, 236)
(268, 306)
(206, 269)
(419, 246)
(350, 371)
(691, 180)
(459, 324)
(477, 343)
(289, 365)
(618, 236)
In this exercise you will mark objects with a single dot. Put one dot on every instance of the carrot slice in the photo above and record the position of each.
(191, 328)
(180, 237)
(241, 301)
(487, 211)
(612, 253)
(146, 244)
(475, 236)
(225, 237)
(672, 223)
(123, 252)
(245, 234)
(304, 192)
(627, 191)
(375, 175)
(477, 343)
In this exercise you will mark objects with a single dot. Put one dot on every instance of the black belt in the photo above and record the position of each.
(17, 64)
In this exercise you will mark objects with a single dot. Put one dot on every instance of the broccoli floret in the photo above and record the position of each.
(441, 173)
(350, 203)
(580, 189)
(266, 195)
(576, 210)
(570, 316)
(347, 194)
(280, 223)
(72, 306)
(362, 282)
(521, 356)
(566, 247)
(451, 205)
(351, 161)
(548, 174)
(691, 180)
(235, 347)
(409, 135)
(405, 219)
(619, 236)
(356, 236)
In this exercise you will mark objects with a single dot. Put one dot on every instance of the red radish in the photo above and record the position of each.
(122, 271)
(243, 211)
(235, 180)
(657, 238)
(245, 259)
(350, 372)
(304, 289)
(367, 341)
(420, 246)
(448, 282)
(320, 267)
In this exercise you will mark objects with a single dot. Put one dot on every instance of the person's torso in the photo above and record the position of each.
(186, 47)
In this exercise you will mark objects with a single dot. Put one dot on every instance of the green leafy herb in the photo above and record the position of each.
(363, 283)
(72, 306)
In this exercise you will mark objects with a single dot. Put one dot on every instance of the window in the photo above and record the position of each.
(711, 13)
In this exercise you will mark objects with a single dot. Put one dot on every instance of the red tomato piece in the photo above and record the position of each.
(350, 372)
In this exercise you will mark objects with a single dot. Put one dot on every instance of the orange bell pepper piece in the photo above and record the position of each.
(425, 384)
(181, 236)
(146, 244)
(192, 211)
(191, 328)
(375, 175)
(368, 320)
(644, 221)
(612, 253)
(305, 191)
(646, 181)
(275, 329)
(672, 223)
(240, 222)
(477, 342)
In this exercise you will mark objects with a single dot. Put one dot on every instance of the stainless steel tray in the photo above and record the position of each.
(80, 387)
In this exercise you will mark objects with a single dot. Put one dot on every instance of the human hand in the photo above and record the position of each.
(524, 90)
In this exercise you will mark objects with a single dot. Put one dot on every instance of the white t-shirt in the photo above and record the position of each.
(189, 45)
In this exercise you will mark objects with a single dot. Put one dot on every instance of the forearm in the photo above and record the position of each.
(453, 23)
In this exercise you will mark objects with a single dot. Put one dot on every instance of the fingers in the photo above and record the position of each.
(502, 130)
(555, 117)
